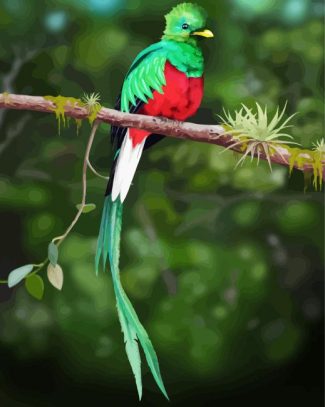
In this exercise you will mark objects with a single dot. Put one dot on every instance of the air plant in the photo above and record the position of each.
(319, 146)
(256, 132)
(91, 101)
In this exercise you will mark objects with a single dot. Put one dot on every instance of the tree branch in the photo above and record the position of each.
(212, 134)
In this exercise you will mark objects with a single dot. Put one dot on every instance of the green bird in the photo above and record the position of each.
(165, 79)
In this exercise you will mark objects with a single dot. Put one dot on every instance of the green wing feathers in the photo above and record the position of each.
(145, 75)
(109, 247)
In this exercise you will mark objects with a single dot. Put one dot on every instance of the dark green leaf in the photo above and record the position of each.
(19, 274)
(35, 286)
(53, 253)
(87, 208)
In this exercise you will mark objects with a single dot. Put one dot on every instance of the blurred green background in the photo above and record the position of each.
(223, 266)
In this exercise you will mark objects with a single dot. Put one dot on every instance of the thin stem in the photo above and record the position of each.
(60, 239)
(38, 267)
(95, 172)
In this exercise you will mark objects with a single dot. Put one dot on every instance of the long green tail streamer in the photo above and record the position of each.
(109, 246)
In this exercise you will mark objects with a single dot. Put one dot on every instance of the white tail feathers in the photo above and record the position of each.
(126, 166)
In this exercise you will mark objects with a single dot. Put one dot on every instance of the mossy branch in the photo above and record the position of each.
(301, 159)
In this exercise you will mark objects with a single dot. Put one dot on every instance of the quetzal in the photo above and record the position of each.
(165, 79)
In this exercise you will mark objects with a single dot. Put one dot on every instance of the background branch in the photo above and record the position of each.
(210, 217)
(167, 274)
(13, 131)
(212, 134)
(20, 58)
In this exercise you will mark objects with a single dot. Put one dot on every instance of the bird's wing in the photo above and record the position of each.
(145, 75)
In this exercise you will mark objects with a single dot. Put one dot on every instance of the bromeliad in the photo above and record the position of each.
(165, 79)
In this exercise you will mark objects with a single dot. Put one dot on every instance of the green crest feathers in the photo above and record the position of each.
(193, 16)
(185, 9)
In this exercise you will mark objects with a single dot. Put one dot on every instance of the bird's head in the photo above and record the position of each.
(185, 23)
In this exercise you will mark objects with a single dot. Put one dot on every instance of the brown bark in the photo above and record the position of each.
(212, 134)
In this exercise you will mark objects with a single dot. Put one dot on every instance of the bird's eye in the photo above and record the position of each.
(185, 26)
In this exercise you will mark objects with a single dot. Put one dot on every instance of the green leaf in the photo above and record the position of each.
(55, 276)
(87, 207)
(53, 253)
(35, 286)
(15, 276)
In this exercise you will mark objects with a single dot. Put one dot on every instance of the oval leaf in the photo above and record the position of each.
(87, 208)
(53, 253)
(55, 276)
(35, 286)
(15, 276)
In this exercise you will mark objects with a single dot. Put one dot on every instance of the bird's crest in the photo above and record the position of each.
(185, 9)
(193, 16)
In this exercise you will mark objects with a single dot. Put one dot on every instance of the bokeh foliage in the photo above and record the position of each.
(224, 266)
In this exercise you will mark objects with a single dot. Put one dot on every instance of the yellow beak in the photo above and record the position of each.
(204, 33)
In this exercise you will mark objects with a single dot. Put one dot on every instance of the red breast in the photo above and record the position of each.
(181, 98)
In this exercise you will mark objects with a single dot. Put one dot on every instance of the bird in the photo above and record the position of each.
(164, 80)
